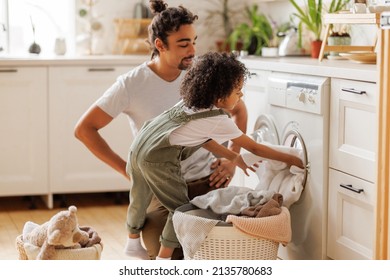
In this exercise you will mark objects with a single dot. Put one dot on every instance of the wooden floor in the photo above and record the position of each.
(106, 213)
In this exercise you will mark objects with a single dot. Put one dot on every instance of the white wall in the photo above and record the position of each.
(279, 10)
(106, 11)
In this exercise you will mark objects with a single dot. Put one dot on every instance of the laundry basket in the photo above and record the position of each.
(223, 241)
(30, 252)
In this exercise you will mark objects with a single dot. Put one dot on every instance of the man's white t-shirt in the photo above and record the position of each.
(142, 95)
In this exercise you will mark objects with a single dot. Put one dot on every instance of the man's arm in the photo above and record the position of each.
(87, 131)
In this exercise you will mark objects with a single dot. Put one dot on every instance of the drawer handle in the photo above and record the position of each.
(8, 70)
(253, 74)
(351, 188)
(354, 90)
(101, 69)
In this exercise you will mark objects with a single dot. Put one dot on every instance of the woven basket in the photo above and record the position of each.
(229, 243)
(225, 242)
(30, 252)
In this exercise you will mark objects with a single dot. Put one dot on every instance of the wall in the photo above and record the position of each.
(108, 10)
(280, 11)
(105, 11)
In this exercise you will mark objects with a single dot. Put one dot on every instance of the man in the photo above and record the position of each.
(147, 91)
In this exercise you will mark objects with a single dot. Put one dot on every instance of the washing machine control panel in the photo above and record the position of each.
(298, 92)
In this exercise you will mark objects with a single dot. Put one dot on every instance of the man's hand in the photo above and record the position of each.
(223, 173)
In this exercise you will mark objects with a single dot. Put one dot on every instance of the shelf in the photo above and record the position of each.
(131, 35)
(347, 18)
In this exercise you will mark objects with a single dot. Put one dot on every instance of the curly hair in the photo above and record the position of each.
(165, 21)
(212, 76)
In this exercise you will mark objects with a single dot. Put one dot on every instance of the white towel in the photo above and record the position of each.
(275, 176)
(191, 231)
(232, 199)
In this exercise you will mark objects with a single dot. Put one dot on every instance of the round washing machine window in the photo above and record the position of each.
(265, 130)
(292, 138)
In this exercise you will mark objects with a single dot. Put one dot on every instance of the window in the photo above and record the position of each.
(51, 20)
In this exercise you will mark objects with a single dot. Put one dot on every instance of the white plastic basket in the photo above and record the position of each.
(30, 252)
(228, 243)
(225, 242)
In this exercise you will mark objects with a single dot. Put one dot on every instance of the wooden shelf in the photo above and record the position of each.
(347, 18)
(131, 35)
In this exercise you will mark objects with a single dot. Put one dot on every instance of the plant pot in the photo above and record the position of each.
(252, 46)
(316, 48)
(338, 41)
(269, 51)
(224, 46)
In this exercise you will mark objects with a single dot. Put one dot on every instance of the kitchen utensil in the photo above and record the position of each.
(360, 57)
(141, 10)
(289, 44)
(60, 46)
(359, 8)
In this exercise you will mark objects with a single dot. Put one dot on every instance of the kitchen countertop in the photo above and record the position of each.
(300, 65)
(94, 60)
(308, 66)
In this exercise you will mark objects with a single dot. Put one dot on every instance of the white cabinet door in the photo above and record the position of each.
(73, 168)
(23, 131)
(351, 221)
(353, 128)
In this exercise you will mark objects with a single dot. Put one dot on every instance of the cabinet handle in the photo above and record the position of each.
(8, 70)
(351, 188)
(354, 90)
(101, 69)
(253, 74)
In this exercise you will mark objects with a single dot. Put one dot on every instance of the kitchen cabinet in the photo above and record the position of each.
(73, 168)
(352, 162)
(23, 130)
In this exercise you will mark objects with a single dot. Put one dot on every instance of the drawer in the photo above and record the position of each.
(351, 219)
(353, 128)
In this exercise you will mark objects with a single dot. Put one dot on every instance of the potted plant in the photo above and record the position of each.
(311, 18)
(338, 37)
(339, 34)
(259, 33)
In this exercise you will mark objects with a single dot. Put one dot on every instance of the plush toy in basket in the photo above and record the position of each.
(59, 238)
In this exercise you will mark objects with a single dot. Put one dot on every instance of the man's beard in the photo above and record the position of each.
(183, 66)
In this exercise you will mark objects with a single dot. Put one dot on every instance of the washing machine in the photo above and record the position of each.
(298, 117)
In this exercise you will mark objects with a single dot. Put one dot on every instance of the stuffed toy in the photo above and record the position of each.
(61, 231)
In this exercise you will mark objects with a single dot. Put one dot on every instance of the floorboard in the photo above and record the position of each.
(105, 212)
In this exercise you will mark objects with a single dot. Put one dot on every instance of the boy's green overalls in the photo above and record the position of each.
(154, 168)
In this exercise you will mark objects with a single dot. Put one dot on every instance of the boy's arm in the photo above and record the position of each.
(224, 170)
(224, 152)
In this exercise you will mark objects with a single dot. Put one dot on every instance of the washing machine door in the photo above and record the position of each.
(301, 212)
(292, 138)
(265, 130)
